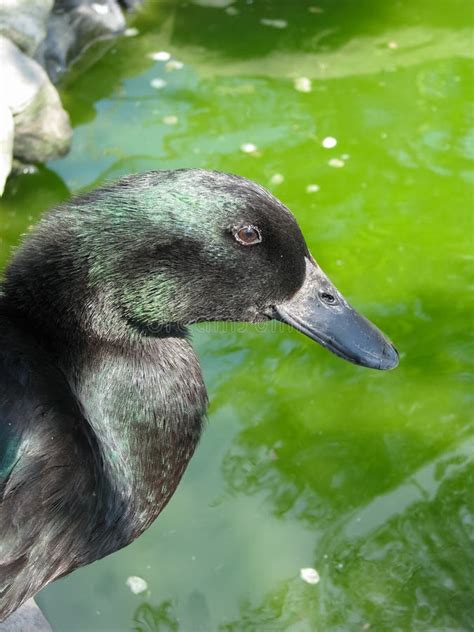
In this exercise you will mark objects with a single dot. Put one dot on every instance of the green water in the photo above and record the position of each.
(306, 461)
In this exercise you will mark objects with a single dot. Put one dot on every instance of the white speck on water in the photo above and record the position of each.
(340, 566)
(174, 64)
(136, 584)
(315, 10)
(392, 45)
(449, 583)
(345, 156)
(160, 55)
(101, 9)
(277, 178)
(337, 163)
(312, 188)
(158, 83)
(28, 169)
(131, 32)
(276, 24)
(248, 148)
(232, 11)
(171, 119)
(329, 142)
(309, 575)
(302, 84)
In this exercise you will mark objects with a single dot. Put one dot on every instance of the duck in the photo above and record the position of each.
(102, 399)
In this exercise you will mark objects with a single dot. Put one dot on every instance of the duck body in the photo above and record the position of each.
(102, 399)
(89, 462)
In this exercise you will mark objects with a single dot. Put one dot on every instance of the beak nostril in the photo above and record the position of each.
(327, 298)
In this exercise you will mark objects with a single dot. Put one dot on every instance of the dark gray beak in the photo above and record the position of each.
(321, 312)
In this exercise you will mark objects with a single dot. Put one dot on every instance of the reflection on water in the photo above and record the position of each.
(306, 461)
(149, 618)
(405, 558)
(409, 551)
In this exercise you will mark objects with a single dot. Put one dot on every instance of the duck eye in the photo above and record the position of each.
(248, 235)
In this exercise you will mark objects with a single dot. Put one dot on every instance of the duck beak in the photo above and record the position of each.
(320, 311)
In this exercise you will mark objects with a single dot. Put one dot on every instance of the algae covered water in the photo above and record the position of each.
(359, 116)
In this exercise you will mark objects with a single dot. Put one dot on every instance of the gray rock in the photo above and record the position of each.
(28, 618)
(24, 22)
(33, 125)
(42, 130)
(6, 143)
(131, 5)
(41, 126)
(73, 26)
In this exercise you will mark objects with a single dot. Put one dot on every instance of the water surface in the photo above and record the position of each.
(306, 461)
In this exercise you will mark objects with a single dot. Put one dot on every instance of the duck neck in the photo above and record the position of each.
(145, 404)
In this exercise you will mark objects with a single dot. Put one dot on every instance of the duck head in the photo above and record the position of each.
(165, 249)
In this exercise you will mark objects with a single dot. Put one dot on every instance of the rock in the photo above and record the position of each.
(41, 126)
(131, 5)
(24, 22)
(42, 130)
(33, 125)
(27, 618)
(73, 26)
(6, 143)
